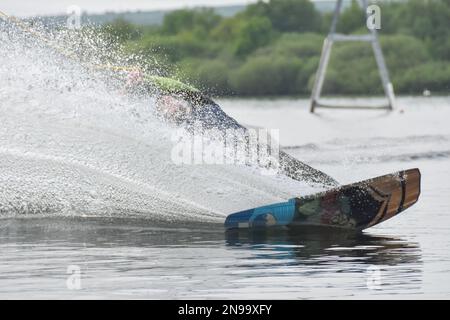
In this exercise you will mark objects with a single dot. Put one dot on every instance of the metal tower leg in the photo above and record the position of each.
(325, 58)
(382, 68)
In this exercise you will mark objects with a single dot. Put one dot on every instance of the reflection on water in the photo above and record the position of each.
(134, 258)
(306, 244)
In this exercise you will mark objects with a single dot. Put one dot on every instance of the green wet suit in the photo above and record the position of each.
(211, 116)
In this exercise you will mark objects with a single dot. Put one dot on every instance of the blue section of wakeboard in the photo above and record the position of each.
(279, 214)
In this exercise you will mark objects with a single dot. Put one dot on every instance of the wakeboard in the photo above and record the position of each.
(356, 206)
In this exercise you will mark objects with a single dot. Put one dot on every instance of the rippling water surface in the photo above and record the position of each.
(91, 205)
(406, 257)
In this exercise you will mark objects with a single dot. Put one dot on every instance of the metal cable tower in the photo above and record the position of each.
(332, 37)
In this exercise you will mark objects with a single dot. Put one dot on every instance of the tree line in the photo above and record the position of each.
(273, 48)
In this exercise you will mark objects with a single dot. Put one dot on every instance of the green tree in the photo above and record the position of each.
(403, 52)
(427, 20)
(227, 30)
(294, 15)
(424, 19)
(352, 19)
(288, 15)
(187, 20)
(210, 76)
(273, 47)
(173, 48)
(266, 76)
(434, 76)
(300, 45)
(255, 33)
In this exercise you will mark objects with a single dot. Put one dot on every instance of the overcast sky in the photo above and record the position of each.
(50, 7)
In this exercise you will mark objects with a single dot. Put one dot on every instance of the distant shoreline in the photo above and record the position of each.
(156, 17)
(305, 97)
(321, 5)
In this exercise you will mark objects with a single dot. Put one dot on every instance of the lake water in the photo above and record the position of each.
(79, 221)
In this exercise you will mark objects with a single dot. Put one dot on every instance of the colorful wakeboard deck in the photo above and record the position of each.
(355, 206)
